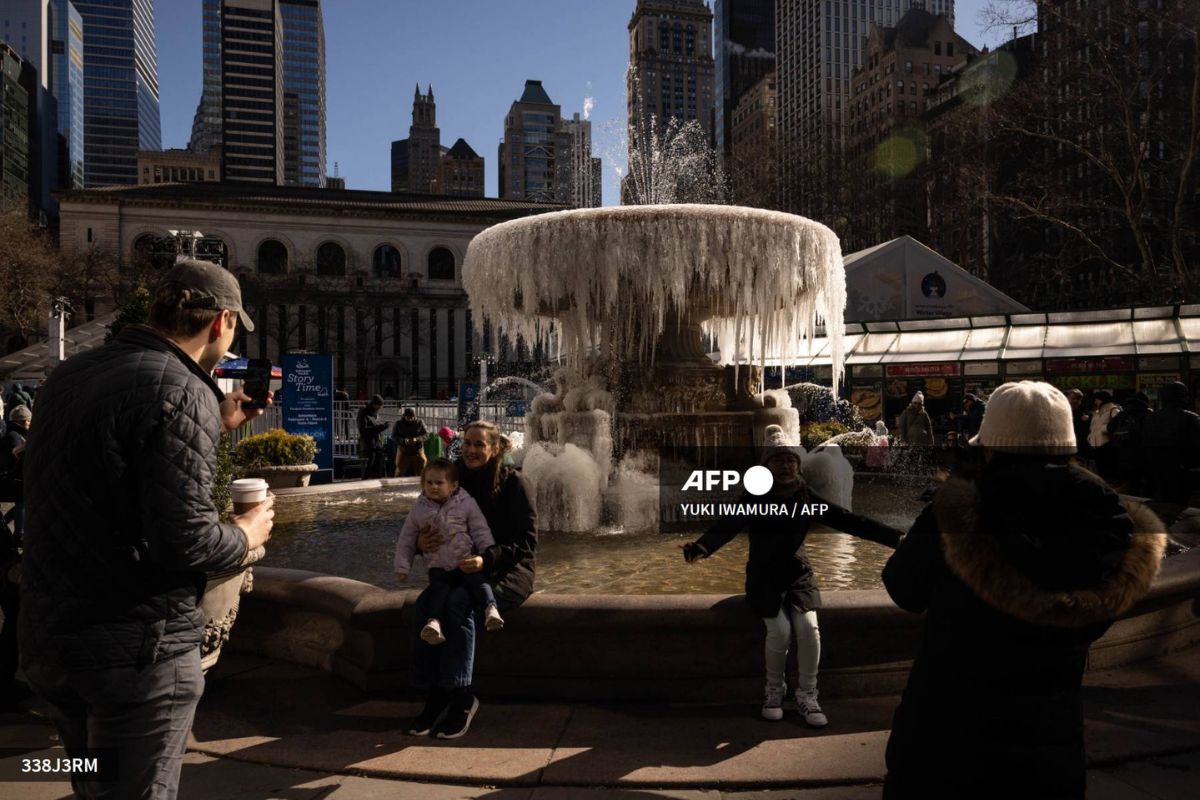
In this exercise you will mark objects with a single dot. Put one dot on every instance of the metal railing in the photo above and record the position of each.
(435, 415)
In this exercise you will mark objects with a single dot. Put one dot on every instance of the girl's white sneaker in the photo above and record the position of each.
(772, 708)
(432, 632)
(810, 709)
(492, 619)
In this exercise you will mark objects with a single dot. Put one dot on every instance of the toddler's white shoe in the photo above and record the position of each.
(432, 632)
(492, 619)
(772, 708)
(810, 709)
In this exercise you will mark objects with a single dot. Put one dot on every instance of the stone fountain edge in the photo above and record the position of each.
(678, 648)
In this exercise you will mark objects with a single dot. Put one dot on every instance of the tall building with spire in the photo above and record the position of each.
(415, 159)
(670, 65)
(532, 148)
(120, 88)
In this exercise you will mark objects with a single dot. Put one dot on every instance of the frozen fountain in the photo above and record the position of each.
(626, 297)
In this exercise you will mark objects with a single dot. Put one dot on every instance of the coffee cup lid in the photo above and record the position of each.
(249, 484)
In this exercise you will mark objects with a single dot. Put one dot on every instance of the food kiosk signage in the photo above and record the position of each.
(1090, 365)
(922, 370)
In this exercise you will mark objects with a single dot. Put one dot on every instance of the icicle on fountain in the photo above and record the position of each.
(629, 294)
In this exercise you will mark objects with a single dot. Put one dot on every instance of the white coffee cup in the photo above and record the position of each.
(247, 493)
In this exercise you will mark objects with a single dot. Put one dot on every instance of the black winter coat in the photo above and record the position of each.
(1017, 575)
(409, 429)
(370, 431)
(120, 523)
(510, 563)
(778, 570)
(1170, 444)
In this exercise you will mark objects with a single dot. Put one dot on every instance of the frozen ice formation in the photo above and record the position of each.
(608, 280)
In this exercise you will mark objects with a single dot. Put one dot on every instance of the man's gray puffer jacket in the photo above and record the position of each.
(120, 524)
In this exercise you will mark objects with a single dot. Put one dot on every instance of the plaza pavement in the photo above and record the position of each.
(268, 729)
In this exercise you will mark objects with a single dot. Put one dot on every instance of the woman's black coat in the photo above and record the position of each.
(1017, 575)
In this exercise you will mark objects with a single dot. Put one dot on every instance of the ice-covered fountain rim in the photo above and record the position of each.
(778, 272)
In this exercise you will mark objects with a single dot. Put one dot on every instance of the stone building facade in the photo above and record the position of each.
(372, 277)
(670, 66)
(902, 66)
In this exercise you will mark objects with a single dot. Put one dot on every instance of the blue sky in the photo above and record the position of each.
(476, 53)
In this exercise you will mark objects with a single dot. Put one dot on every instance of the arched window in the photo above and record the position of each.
(331, 260)
(387, 261)
(272, 258)
(154, 252)
(441, 265)
(212, 249)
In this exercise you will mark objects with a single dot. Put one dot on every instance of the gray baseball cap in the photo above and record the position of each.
(211, 286)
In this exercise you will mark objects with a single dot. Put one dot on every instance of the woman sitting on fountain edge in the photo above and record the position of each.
(445, 671)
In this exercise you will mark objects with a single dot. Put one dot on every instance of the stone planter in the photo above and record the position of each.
(282, 477)
(222, 597)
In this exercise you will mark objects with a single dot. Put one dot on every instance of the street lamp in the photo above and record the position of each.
(482, 361)
(60, 310)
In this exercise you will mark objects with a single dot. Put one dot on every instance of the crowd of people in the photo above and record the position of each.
(1017, 567)
(1138, 449)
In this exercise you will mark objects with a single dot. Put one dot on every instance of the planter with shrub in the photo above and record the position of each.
(283, 459)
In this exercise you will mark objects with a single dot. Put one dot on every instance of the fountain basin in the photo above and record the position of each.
(680, 648)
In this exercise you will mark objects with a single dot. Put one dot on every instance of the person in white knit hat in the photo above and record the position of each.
(1017, 572)
(780, 584)
(914, 426)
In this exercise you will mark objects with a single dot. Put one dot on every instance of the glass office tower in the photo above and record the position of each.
(120, 88)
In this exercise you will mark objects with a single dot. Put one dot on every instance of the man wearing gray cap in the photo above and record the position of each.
(121, 529)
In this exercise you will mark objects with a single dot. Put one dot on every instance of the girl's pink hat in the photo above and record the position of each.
(447, 434)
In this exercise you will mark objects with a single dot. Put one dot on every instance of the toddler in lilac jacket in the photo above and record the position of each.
(445, 508)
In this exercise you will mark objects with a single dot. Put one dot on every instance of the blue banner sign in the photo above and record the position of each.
(468, 403)
(308, 401)
(515, 409)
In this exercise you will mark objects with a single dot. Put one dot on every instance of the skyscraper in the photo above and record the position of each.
(670, 65)
(415, 159)
(120, 88)
(818, 45)
(532, 146)
(302, 105)
(580, 177)
(18, 82)
(744, 51)
(66, 72)
(252, 99)
(304, 80)
(206, 126)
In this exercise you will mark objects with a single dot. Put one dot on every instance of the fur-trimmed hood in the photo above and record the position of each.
(979, 559)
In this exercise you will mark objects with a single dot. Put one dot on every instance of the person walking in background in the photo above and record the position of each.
(121, 529)
(12, 448)
(1170, 446)
(1125, 439)
(1017, 571)
(371, 439)
(971, 418)
(1099, 440)
(914, 426)
(409, 435)
(1081, 421)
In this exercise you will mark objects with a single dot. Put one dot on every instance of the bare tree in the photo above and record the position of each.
(1111, 118)
(27, 275)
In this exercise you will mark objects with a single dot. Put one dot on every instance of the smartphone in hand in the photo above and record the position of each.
(258, 382)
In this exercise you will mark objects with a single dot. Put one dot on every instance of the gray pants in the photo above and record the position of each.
(144, 715)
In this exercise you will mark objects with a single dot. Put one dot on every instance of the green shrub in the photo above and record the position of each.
(814, 433)
(220, 493)
(275, 448)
